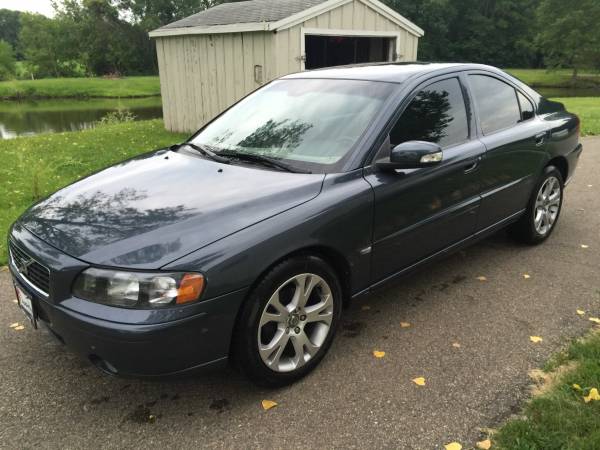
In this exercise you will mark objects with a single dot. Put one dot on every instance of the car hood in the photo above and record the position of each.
(151, 210)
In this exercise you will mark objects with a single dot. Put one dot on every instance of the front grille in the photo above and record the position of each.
(36, 274)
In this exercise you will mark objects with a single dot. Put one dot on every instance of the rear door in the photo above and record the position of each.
(515, 140)
(421, 211)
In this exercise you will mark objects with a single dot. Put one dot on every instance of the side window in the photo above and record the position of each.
(496, 102)
(436, 114)
(527, 111)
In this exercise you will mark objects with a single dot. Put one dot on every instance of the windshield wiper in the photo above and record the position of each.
(260, 159)
(204, 150)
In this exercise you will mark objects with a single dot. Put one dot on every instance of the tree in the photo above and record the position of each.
(38, 43)
(497, 32)
(569, 35)
(7, 61)
(9, 27)
(103, 41)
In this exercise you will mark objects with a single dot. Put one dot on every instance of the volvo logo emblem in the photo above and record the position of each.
(23, 265)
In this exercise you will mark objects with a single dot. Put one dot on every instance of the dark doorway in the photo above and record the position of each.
(327, 51)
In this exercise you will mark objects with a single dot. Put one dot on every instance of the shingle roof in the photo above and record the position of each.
(253, 11)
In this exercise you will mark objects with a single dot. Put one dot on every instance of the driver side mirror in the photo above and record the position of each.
(412, 155)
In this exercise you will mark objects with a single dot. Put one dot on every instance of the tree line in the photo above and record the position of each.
(110, 37)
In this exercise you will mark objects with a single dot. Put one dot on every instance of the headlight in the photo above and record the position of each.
(138, 289)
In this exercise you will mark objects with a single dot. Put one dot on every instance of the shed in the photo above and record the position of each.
(211, 59)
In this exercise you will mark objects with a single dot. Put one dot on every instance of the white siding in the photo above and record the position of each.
(201, 75)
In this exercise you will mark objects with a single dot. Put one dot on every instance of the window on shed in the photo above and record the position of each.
(436, 114)
(328, 51)
(496, 103)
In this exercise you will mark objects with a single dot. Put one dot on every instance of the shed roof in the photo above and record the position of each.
(267, 15)
(255, 11)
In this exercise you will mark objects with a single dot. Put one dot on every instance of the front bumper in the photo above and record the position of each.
(138, 343)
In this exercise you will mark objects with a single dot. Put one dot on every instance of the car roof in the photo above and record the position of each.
(388, 72)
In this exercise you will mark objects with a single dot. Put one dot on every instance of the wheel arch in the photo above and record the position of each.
(561, 163)
(331, 256)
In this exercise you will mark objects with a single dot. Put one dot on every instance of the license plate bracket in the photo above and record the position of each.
(27, 305)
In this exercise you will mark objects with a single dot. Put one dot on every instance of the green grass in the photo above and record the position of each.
(556, 78)
(559, 418)
(34, 167)
(80, 88)
(588, 110)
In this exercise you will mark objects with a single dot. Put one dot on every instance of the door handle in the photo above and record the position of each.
(540, 138)
(472, 165)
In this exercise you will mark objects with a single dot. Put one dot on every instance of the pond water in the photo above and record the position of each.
(26, 118)
(568, 92)
(51, 116)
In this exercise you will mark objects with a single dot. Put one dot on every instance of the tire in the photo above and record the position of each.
(546, 209)
(275, 344)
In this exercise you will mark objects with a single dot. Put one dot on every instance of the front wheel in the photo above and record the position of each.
(543, 210)
(288, 322)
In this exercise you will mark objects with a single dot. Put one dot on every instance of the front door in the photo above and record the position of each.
(418, 212)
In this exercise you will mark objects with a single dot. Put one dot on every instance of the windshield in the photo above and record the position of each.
(308, 123)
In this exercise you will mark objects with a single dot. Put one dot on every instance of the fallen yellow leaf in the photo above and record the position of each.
(484, 445)
(595, 320)
(576, 387)
(526, 276)
(365, 307)
(378, 354)
(14, 325)
(581, 312)
(482, 278)
(453, 446)
(535, 339)
(419, 381)
(455, 345)
(593, 395)
(19, 328)
(404, 324)
(268, 404)
(585, 246)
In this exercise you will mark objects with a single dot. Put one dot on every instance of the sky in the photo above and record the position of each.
(39, 6)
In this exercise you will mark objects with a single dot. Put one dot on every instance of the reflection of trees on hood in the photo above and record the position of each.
(425, 119)
(277, 135)
(86, 220)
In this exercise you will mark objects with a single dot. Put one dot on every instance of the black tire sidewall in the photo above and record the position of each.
(245, 342)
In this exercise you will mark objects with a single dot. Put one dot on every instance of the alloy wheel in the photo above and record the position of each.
(547, 205)
(295, 322)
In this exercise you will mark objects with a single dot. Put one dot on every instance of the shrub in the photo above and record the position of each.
(119, 116)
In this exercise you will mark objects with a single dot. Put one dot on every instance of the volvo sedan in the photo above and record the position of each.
(244, 243)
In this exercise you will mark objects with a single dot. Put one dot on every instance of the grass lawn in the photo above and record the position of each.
(80, 87)
(34, 167)
(588, 110)
(560, 418)
(555, 78)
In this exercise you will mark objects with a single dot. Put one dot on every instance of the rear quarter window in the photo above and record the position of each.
(496, 102)
(527, 111)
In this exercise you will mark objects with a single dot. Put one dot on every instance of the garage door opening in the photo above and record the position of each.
(328, 51)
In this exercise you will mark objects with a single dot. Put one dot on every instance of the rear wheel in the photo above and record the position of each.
(543, 210)
(288, 322)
